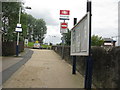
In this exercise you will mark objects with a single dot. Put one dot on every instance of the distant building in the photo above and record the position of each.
(109, 42)
(119, 23)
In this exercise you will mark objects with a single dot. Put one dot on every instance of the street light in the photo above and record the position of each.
(19, 26)
(27, 7)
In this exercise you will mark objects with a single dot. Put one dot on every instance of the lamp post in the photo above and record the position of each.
(19, 26)
(17, 46)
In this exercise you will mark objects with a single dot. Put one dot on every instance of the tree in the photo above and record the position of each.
(31, 25)
(96, 40)
(34, 27)
(10, 19)
(67, 37)
(39, 30)
(24, 26)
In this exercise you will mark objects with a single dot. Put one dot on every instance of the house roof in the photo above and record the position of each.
(108, 40)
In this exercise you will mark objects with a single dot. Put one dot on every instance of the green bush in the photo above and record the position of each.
(30, 44)
(46, 46)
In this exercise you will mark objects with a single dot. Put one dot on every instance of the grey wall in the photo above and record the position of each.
(106, 65)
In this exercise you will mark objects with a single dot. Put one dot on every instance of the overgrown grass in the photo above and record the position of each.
(30, 44)
(46, 46)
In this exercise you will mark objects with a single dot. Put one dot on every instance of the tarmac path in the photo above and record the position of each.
(45, 69)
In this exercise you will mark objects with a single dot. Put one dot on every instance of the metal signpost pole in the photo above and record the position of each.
(17, 46)
(63, 40)
(74, 57)
(63, 47)
(89, 62)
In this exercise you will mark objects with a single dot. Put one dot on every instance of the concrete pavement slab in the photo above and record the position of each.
(45, 69)
(11, 64)
(9, 61)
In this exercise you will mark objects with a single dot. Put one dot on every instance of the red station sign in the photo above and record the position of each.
(64, 12)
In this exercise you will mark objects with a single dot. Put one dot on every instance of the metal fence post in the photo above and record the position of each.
(74, 57)
(89, 61)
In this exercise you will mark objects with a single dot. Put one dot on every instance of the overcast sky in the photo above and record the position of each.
(104, 15)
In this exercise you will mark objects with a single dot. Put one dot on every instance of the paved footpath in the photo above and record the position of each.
(9, 65)
(45, 69)
(10, 61)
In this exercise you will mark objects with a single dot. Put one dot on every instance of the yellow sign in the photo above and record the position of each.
(36, 41)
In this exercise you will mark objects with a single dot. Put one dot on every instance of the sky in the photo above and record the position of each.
(104, 16)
